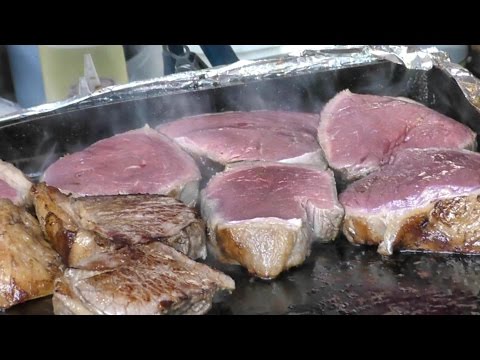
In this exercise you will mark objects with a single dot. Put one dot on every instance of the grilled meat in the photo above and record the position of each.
(151, 279)
(80, 227)
(264, 216)
(28, 264)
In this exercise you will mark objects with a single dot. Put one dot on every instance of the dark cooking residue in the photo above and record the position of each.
(339, 278)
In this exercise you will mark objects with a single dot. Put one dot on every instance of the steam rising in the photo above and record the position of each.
(48, 138)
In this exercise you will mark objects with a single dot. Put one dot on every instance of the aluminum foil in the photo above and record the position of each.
(425, 59)
(245, 71)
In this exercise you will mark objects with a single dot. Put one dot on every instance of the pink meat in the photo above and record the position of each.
(264, 216)
(415, 178)
(139, 161)
(247, 136)
(359, 133)
(7, 192)
(279, 191)
(14, 185)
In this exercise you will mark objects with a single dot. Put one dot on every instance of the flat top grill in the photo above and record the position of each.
(337, 278)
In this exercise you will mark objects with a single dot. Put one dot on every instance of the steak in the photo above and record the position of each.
(151, 279)
(80, 227)
(426, 199)
(359, 133)
(264, 216)
(28, 265)
(216, 140)
(14, 185)
(141, 161)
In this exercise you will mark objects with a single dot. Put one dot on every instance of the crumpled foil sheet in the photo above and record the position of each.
(425, 59)
(306, 61)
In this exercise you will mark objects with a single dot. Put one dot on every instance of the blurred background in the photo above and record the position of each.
(31, 75)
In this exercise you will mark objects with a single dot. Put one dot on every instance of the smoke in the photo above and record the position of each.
(36, 143)
(294, 93)
(26, 147)
(172, 107)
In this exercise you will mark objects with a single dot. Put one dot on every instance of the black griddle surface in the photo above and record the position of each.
(337, 278)
(340, 278)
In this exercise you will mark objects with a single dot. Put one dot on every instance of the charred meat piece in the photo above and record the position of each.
(426, 199)
(151, 279)
(28, 265)
(141, 161)
(360, 133)
(135, 219)
(62, 226)
(14, 185)
(219, 139)
(264, 216)
(80, 227)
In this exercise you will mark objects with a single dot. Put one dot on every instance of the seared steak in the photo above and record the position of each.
(28, 265)
(359, 133)
(150, 279)
(264, 216)
(216, 140)
(80, 227)
(426, 199)
(141, 161)
(14, 185)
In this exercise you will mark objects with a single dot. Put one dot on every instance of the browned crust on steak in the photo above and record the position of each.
(265, 250)
(79, 227)
(61, 238)
(448, 226)
(28, 265)
(53, 220)
(453, 225)
(60, 227)
(141, 279)
(230, 249)
(358, 231)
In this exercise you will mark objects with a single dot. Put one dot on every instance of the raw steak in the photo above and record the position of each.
(216, 140)
(264, 216)
(141, 161)
(426, 199)
(14, 185)
(359, 133)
